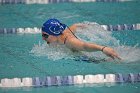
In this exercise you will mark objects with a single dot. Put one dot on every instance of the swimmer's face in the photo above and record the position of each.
(48, 38)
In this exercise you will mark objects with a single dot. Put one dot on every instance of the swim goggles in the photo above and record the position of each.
(45, 36)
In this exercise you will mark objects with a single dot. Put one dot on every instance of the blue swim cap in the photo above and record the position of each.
(53, 27)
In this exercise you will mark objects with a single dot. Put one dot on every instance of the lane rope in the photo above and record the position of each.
(54, 1)
(36, 30)
(70, 80)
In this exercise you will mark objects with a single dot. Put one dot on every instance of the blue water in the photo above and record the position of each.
(18, 57)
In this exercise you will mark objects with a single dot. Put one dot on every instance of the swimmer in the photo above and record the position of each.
(55, 31)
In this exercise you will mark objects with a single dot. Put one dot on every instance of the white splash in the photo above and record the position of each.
(52, 51)
(95, 33)
(128, 54)
(92, 33)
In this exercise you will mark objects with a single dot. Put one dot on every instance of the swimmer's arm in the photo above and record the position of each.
(106, 50)
(75, 26)
(90, 47)
(83, 46)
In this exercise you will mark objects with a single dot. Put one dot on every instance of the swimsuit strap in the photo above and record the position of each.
(72, 32)
(67, 36)
(65, 39)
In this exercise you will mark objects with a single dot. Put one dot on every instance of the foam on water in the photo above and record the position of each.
(93, 32)
(128, 54)
(53, 51)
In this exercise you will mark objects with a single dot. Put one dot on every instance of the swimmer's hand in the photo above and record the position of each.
(110, 52)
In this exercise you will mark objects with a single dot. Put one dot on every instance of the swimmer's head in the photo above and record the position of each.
(53, 27)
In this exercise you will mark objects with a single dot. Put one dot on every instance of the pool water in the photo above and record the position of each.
(26, 55)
